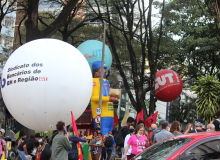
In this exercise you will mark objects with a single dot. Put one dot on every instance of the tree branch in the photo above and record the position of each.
(19, 32)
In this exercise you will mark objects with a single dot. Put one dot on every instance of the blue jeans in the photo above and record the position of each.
(0, 156)
(21, 155)
(73, 156)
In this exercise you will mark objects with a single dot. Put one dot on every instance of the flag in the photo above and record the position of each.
(151, 120)
(124, 120)
(140, 116)
(115, 120)
(75, 132)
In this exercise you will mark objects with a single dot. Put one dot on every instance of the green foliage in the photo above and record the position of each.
(189, 44)
(183, 110)
(208, 91)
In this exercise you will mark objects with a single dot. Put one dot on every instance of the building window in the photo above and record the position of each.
(8, 23)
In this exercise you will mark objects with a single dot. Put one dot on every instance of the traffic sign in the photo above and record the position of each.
(98, 111)
(97, 119)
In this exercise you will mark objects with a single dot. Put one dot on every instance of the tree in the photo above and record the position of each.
(6, 7)
(208, 91)
(191, 30)
(75, 21)
(183, 110)
(129, 22)
(213, 10)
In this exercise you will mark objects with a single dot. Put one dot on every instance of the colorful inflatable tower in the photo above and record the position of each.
(105, 114)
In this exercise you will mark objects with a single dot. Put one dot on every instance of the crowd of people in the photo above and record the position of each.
(134, 138)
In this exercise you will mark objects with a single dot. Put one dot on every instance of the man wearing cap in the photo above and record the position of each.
(198, 126)
(27, 147)
(2, 144)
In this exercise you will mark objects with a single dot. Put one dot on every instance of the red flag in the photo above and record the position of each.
(115, 120)
(151, 120)
(80, 156)
(140, 116)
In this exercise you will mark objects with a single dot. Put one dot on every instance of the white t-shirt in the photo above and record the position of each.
(125, 144)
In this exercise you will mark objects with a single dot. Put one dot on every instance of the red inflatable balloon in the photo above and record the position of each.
(168, 85)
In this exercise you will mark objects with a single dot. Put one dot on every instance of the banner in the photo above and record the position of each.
(151, 120)
(124, 120)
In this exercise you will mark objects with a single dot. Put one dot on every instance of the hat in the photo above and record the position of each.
(2, 130)
(97, 64)
(37, 135)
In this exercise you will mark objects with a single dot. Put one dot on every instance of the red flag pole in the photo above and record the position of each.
(80, 156)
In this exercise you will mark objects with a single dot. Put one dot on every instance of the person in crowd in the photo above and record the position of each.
(138, 141)
(163, 134)
(198, 126)
(153, 128)
(125, 131)
(212, 128)
(73, 154)
(132, 132)
(168, 127)
(26, 148)
(217, 121)
(44, 150)
(92, 144)
(103, 154)
(22, 138)
(157, 130)
(98, 142)
(175, 128)
(61, 144)
(141, 122)
(188, 128)
(208, 128)
(2, 144)
(112, 148)
(98, 130)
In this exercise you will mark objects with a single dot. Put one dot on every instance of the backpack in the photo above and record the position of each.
(119, 140)
(108, 142)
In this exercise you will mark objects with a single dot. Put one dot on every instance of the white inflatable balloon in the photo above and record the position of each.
(43, 81)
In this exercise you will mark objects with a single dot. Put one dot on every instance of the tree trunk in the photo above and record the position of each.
(152, 91)
(31, 23)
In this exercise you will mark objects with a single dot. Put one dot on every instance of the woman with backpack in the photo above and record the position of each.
(138, 142)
